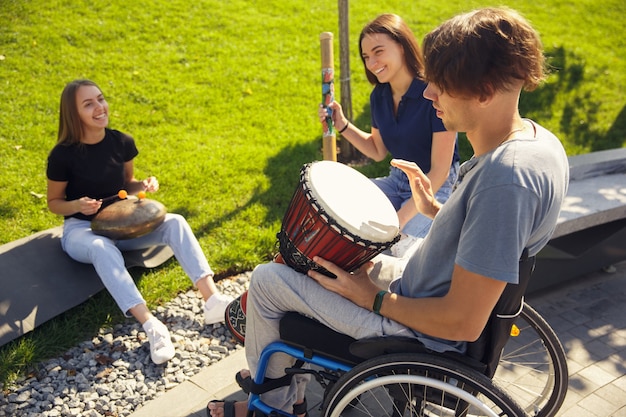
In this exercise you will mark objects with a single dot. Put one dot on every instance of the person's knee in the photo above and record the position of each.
(266, 275)
(103, 251)
(100, 244)
(175, 225)
(175, 219)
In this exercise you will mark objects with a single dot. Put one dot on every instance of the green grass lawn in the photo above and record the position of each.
(222, 98)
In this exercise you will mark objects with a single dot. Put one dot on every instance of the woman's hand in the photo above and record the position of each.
(150, 184)
(88, 206)
(356, 286)
(339, 120)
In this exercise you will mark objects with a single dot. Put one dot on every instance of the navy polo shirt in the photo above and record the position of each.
(409, 135)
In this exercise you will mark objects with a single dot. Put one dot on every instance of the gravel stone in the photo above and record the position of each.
(112, 374)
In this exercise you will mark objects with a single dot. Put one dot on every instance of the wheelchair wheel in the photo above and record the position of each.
(416, 385)
(533, 367)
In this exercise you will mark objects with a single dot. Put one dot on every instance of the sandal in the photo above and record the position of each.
(248, 386)
(300, 409)
(229, 408)
(244, 383)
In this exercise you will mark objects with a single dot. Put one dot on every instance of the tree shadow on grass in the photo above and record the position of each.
(579, 117)
(283, 172)
(618, 129)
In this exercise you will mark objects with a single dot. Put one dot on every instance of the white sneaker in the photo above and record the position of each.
(161, 347)
(215, 308)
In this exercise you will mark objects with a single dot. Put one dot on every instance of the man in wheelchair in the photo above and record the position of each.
(506, 203)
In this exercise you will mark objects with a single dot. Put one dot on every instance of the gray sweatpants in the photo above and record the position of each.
(276, 289)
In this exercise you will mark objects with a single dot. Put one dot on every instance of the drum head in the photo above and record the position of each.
(353, 201)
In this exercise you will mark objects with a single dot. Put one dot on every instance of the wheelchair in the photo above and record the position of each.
(517, 367)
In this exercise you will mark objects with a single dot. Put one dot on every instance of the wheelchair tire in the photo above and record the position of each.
(533, 366)
(416, 384)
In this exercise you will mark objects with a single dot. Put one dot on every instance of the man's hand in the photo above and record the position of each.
(355, 286)
(421, 188)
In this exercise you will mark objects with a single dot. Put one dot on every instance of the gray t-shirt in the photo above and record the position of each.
(506, 200)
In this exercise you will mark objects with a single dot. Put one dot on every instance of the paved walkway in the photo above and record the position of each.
(589, 316)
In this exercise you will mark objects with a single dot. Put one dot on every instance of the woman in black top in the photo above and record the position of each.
(91, 162)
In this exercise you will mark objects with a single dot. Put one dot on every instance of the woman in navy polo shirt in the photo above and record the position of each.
(404, 123)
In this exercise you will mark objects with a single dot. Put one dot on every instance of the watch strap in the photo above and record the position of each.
(378, 302)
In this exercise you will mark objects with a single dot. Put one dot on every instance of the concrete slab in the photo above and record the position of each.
(39, 281)
(597, 163)
(591, 229)
(591, 202)
(191, 397)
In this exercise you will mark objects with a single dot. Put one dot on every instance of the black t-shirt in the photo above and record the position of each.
(95, 171)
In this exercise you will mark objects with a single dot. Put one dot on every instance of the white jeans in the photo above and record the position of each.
(82, 245)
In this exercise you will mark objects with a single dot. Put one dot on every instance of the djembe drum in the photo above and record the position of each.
(129, 218)
(339, 214)
(336, 213)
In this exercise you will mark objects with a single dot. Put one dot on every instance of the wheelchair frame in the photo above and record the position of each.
(449, 383)
(539, 391)
(533, 366)
(443, 379)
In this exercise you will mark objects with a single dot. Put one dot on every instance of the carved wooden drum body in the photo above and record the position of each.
(339, 214)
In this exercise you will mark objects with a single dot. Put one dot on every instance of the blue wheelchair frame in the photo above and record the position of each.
(254, 400)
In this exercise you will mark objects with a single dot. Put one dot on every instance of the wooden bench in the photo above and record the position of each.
(591, 231)
(39, 281)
